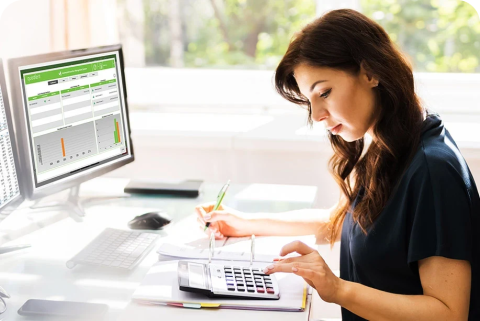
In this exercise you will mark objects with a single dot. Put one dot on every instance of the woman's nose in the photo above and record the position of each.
(319, 114)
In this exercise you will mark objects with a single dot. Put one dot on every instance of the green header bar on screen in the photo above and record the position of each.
(44, 96)
(74, 89)
(69, 71)
(103, 83)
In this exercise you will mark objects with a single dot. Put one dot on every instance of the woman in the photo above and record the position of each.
(409, 203)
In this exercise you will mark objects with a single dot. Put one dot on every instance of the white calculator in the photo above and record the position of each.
(217, 280)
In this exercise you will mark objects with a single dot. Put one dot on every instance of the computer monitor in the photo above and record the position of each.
(71, 117)
(10, 195)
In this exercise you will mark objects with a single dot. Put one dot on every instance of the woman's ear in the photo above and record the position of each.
(367, 75)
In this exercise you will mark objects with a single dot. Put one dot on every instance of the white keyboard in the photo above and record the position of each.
(115, 248)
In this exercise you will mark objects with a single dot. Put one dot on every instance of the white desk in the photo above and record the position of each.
(40, 272)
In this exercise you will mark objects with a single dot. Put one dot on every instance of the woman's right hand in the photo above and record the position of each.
(224, 221)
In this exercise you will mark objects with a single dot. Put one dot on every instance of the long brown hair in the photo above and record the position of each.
(346, 39)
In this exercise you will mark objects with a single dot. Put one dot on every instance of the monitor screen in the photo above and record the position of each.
(75, 115)
(9, 188)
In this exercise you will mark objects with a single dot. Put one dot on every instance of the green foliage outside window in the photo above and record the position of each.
(436, 35)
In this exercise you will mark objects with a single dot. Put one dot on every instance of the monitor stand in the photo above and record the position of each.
(73, 204)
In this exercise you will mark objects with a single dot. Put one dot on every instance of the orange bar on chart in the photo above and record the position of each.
(63, 147)
(118, 132)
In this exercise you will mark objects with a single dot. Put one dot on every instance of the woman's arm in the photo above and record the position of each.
(446, 287)
(299, 222)
(229, 222)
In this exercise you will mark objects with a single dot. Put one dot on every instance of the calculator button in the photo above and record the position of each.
(231, 289)
(259, 284)
(250, 289)
(241, 288)
(267, 278)
(260, 290)
(248, 279)
(270, 290)
(255, 270)
(228, 274)
(249, 283)
(240, 283)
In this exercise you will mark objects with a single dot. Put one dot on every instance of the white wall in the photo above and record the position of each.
(23, 29)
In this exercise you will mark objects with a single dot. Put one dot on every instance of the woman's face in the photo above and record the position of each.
(344, 102)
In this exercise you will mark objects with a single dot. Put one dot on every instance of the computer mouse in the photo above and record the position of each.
(150, 221)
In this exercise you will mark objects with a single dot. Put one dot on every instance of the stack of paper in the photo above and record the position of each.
(160, 286)
(233, 248)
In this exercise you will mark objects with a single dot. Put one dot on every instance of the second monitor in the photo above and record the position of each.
(71, 117)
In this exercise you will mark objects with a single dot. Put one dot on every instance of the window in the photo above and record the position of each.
(246, 39)
(437, 35)
(245, 34)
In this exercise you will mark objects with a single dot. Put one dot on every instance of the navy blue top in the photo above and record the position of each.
(434, 211)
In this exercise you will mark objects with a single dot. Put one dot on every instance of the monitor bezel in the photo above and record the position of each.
(17, 200)
(20, 117)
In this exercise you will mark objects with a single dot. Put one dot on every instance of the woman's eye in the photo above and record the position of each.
(325, 94)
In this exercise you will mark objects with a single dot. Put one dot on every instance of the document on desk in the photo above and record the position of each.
(234, 249)
(160, 286)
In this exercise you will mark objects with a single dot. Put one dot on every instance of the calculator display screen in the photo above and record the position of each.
(196, 275)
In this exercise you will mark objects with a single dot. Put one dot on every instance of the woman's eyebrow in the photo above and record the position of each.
(315, 83)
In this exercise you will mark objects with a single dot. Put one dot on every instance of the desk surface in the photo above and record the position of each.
(40, 272)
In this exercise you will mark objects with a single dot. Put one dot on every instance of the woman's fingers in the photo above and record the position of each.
(288, 267)
(218, 235)
(303, 258)
(307, 274)
(296, 246)
(217, 216)
(212, 228)
(200, 212)
(212, 216)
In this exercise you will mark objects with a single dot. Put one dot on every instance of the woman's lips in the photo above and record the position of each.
(335, 130)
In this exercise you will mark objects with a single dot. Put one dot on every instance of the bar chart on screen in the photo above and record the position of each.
(109, 132)
(65, 146)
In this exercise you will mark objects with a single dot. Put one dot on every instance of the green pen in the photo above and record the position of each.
(220, 197)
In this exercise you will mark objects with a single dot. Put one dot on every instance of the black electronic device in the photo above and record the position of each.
(187, 188)
(150, 221)
(67, 309)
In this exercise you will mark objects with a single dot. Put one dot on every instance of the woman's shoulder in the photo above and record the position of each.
(438, 158)
(439, 149)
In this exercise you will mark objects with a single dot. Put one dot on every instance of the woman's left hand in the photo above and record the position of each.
(311, 267)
